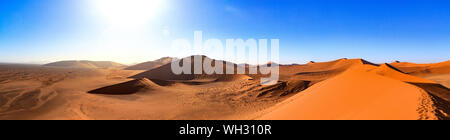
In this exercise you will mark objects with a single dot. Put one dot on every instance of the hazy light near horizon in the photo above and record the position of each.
(128, 13)
(130, 33)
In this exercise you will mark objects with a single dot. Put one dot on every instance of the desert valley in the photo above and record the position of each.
(344, 89)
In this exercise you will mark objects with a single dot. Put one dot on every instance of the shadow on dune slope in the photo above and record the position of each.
(129, 87)
(440, 96)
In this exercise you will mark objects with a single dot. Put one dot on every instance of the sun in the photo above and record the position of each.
(128, 13)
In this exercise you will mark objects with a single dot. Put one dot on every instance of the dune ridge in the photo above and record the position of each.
(319, 71)
(165, 72)
(390, 71)
(151, 64)
(423, 69)
(342, 89)
(85, 64)
(130, 87)
(356, 94)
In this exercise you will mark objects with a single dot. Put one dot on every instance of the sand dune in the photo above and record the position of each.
(165, 72)
(319, 71)
(337, 64)
(281, 89)
(443, 79)
(357, 94)
(340, 89)
(85, 64)
(130, 87)
(423, 69)
(151, 64)
(390, 71)
(431, 87)
(236, 98)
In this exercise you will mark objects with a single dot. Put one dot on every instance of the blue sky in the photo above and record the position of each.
(39, 31)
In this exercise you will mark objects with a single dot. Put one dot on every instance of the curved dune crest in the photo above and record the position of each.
(129, 87)
(320, 71)
(337, 64)
(423, 69)
(355, 95)
(165, 72)
(151, 64)
(390, 71)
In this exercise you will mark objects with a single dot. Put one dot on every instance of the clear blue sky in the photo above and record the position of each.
(39, 31)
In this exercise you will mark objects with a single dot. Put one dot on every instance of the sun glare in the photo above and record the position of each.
(128, 13)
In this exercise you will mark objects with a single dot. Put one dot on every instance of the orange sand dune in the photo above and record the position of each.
(130, 87)
(389, 71)
(441, 79)
(151, 64)
(319, 71)
(165, 72)
(423, 69)
(356, 95)
(337, 64)
(341, 89)
(282, 89)
(409, 64)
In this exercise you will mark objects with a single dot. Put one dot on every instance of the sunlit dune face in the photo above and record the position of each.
(128, 13)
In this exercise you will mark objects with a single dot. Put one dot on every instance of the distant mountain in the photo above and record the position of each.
(85, 64)
(151, 64)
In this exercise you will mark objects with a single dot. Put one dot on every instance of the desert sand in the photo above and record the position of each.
(151, 64)
(423, 69)
(85, 64)
(356, 95)
(344, 89)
